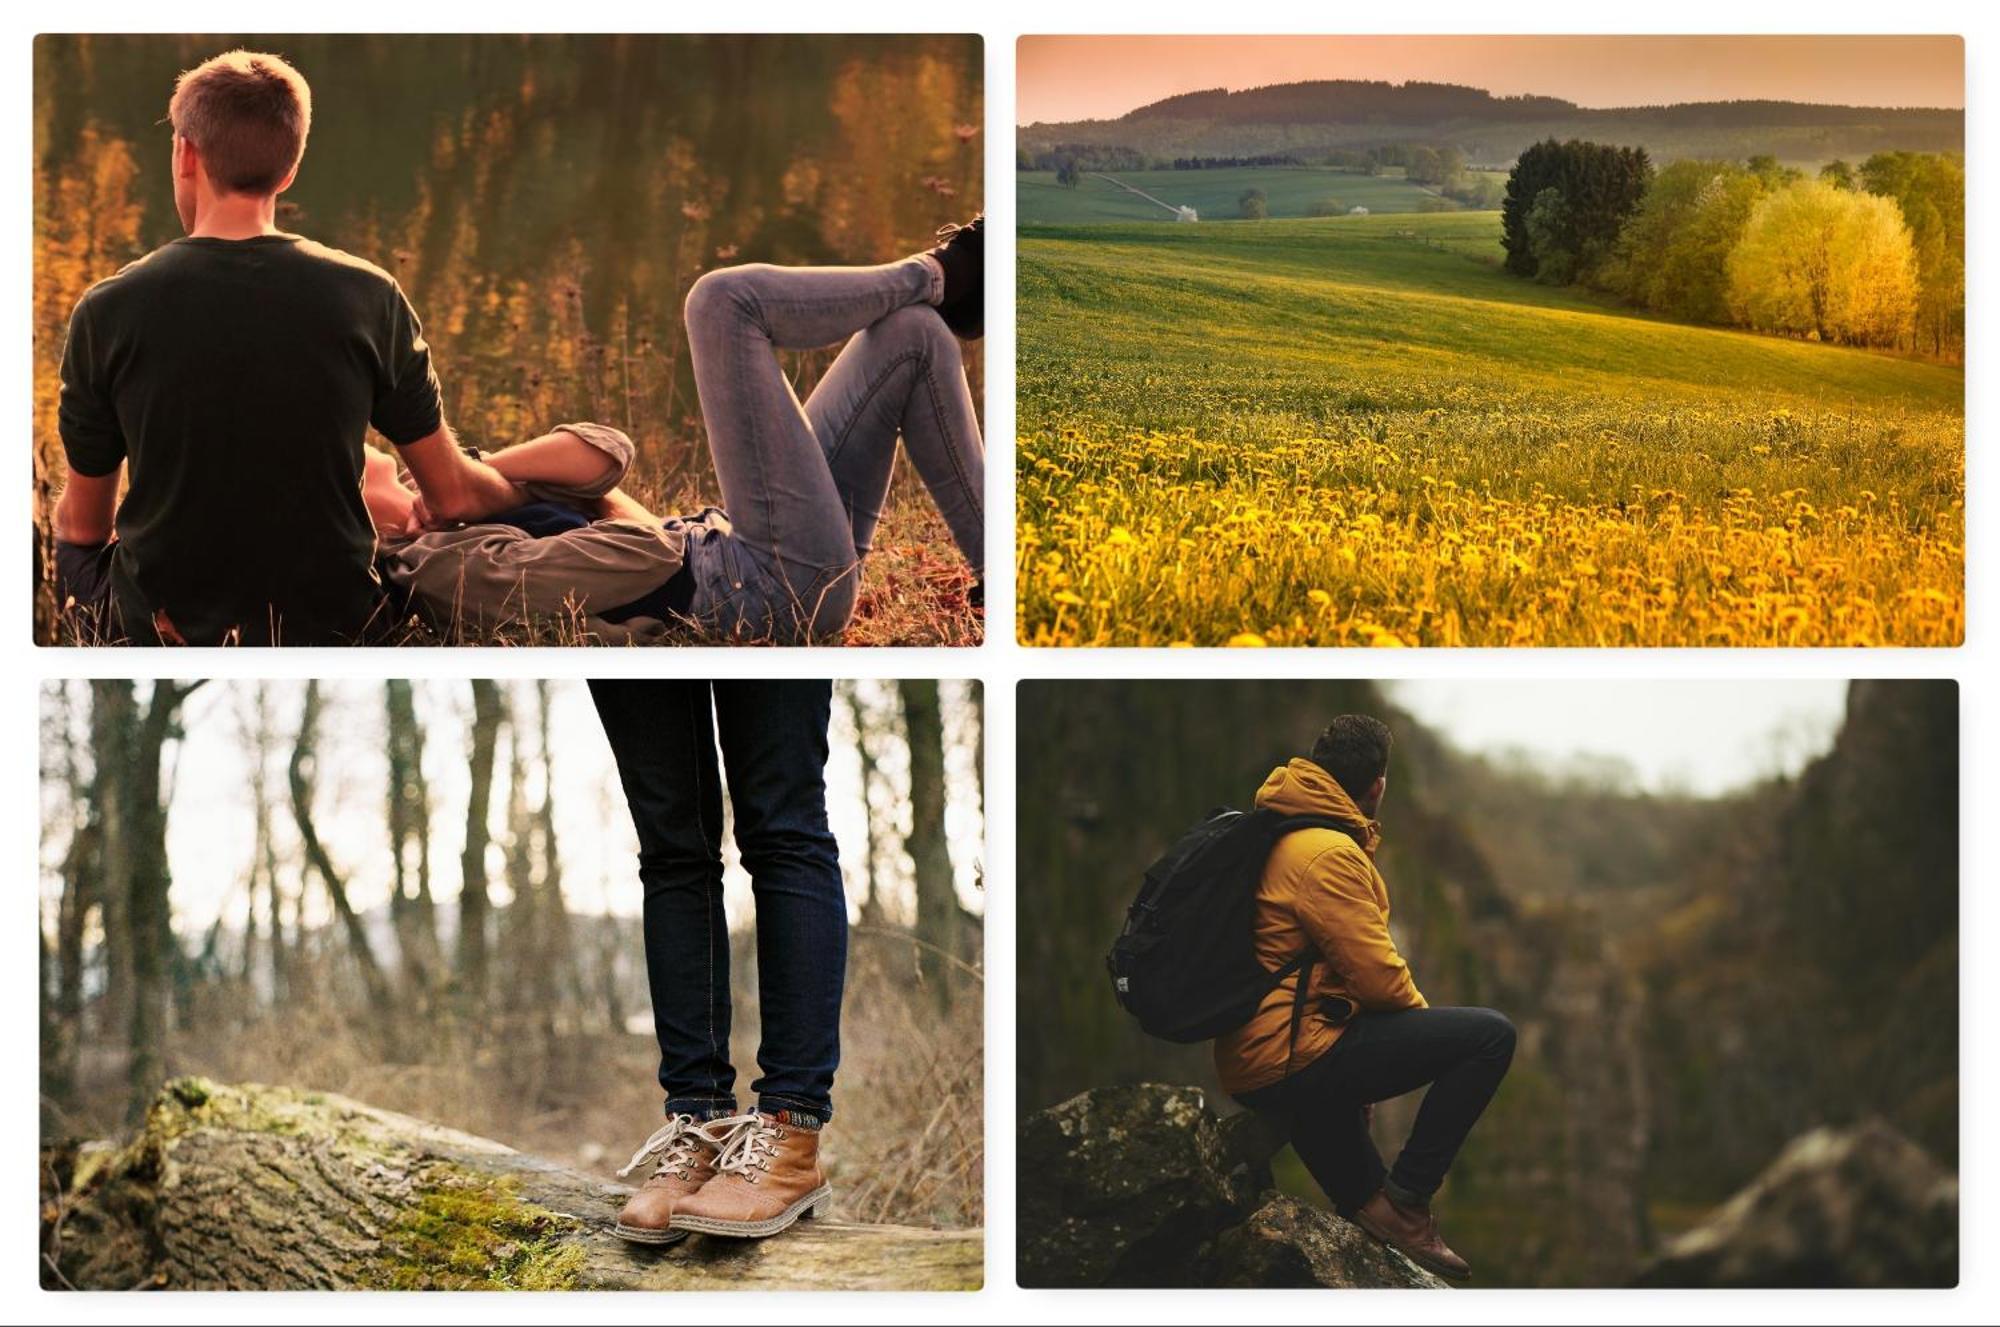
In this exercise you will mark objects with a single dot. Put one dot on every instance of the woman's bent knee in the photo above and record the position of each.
(918, 328)
(723, 293)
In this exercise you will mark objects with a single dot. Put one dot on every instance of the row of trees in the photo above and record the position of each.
(1870, 255)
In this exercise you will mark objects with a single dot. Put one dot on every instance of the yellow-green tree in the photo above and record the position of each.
(1816, 260)
(1673, 255)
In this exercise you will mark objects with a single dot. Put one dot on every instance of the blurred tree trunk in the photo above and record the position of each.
(147, 917)
(300, 776)
(63, 1025)
(937, 893)
(411, 909)
(872, 911)
(262, 739)
(113, 733)
(65, 1029)
(553, 936)
(473, 904)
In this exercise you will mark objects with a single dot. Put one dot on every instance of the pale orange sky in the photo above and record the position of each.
(1085, 78)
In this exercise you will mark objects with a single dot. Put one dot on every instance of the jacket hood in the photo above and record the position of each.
(1301, 788)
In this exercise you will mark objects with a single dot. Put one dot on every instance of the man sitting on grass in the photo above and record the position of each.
(235, 372)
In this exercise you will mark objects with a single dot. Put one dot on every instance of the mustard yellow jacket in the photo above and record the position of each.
(1320, 891)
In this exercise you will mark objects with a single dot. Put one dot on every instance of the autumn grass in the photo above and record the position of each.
(518, 351)
(914, 589)
(1361, 432)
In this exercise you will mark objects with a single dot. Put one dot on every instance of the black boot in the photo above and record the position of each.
(963, 257)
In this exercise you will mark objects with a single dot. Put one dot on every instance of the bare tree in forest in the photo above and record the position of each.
(263, 740)
(253, 727)
(113, 725)
(537, 929)
(930, 857)
(873, 914)
(411, 909)
(149, 927)
(474, 907)
(553, 934)
(301, 772)
(63, 1024)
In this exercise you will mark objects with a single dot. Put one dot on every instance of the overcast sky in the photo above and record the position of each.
(1701, 737)
(1079, 78)
(211, 832)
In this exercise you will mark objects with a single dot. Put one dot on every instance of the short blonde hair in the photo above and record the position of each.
(247, 114)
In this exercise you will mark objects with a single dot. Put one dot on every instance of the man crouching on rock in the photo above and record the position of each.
(1364, 1033)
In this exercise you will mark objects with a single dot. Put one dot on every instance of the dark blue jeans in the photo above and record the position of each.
(772, 736)
(1462, 1053)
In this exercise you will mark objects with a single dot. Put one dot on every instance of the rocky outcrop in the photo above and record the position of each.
(260, 1188)
(1859, 1207)
(1142, 1186)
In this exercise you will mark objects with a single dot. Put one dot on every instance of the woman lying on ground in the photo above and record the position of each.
(803, 485)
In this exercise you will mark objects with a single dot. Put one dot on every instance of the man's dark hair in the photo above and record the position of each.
(1355, 750)
(248, 114)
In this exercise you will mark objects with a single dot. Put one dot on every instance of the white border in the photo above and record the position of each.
(1000, 664)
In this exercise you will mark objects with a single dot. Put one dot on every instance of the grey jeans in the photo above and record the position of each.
(804, 485)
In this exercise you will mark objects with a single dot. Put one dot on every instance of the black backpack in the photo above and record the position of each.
(1185, 964)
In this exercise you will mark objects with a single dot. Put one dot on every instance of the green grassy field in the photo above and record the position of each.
(1362, 431)
(1290, 192)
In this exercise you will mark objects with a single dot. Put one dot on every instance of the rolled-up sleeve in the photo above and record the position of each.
(86, 411)
(409, 406)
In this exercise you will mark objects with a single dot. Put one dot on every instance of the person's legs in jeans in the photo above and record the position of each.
(904, 377)
(663, 736)
(777, 484)
(774, 748)
(1462, 1053)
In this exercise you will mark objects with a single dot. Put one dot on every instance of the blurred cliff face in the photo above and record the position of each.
(1696, 982)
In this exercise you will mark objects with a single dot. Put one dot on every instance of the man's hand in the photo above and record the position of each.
(452, 487)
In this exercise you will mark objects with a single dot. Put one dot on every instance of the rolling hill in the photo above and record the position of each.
(1322, 115)
(1360, 430)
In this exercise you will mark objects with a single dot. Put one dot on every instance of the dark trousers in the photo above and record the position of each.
(1461, 1053)
(773, 742)
(83, 587)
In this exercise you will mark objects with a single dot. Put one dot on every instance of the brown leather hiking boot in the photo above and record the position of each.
(683, 1157)
(1414, 1234)
(766, 1177)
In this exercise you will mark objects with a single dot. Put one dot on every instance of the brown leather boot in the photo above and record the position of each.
(766, 1177)
(683, 1158)
(1412, 1233)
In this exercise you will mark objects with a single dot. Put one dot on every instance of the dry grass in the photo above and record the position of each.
(520, 352)
(906, 1145)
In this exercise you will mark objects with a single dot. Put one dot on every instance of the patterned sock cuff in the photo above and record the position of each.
(702, 1110)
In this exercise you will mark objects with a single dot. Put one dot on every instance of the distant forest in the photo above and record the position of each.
(1315, 117)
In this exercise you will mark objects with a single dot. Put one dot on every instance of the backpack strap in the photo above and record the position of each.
(1304, 964)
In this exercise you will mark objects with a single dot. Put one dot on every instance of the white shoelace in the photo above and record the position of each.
(675, 1145)
(745, 1142)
